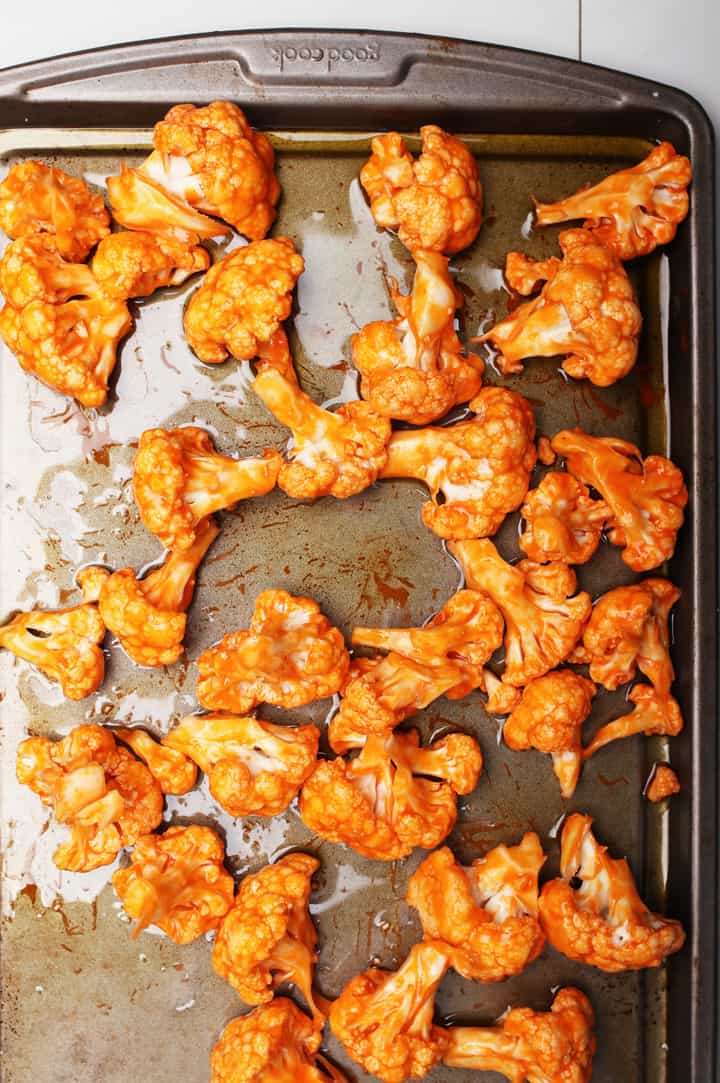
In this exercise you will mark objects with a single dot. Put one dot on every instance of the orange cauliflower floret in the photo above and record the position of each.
(652, 714)
(148, 615)
(646, 497)
(212, 159)
(32, 269)
(542, 622)
(663, 782)
(485, 915)
(480, 469)
(384, 1018)
(107, 797)
(333, 453)
(275, 1043)
(434, 202)
(413, 368)
(63, 643)
(242, 301)
(254, 767)
(173, 771)
(289, 656)
(603, 922)
(587, 310)
(71, 347)
(268, 937)
(37, 198)
(549, 717)
(177, 882)
(139, 203)
(633, 210)
(136, 264)
(562, 521)
(179, 479)
(541, 1047)
(376, 804)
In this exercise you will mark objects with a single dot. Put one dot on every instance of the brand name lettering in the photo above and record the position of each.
(285, 55)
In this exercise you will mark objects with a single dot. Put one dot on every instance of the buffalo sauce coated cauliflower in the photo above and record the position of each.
(131, 264)
(663, 782)
(37, 198)
(549, 717)
(434, 202)
(63, 643)
(32, 269)
(275, 1043)
(107, 797)
(477, 471)
(646, 497)
(148, 615)
(177, 881)
(633, 210)
(333, 453)
(413, 368)
(174, 772)
(254, 767)
(275, 354)
(486, 915)
(242, 301)
(139, 203)
(384, 1018)
(71, 347)
(652, 714)
(587, 310)
(562, 521)
(377, 804)
(212, 159)
(268, 937)
(542, 622)
(541, 1047)
(289, 656)
(179, 479)
(603, 922)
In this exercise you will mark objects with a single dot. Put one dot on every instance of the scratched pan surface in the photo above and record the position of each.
(81, 999)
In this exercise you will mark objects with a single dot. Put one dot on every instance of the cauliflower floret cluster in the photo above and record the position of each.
(477, 471)
(561, 521)
(63, 643)
(32, 269)
(587, 310)
(131, 264)
(289, 656)
(177, 882)
(435, 202)
(663, 783)
(634, 210)
(107, 797)
(173, 772)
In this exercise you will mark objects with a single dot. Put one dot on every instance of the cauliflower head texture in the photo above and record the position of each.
(32, 269)
(174, 772)
(135, 264)
(63, 643)
(561, 521)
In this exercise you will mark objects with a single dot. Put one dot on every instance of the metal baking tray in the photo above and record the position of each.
(81, 1000)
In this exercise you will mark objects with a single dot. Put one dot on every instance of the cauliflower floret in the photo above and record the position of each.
(242, 301)
(148, 615)
(32, 269)
(212, 159)
(663, 782)
(139, 203)
(501, 698)
(63, 643)
(384, 1018)
(255, 768)
(561, 521)
(549, 717)
(646, 497)
(173, 771)
(136, 264)
(587, 309)
(604, 922)
(480, 468)
(177, 882)
(629, 630)
(542, 622)
(275, 1043)
(333, 453)
(413, 368)
(485, 915)
(179, 479)
(376, 804)
(107, 797)
(434, 202)
(268, 937)
(653, 714)
(541, 1047)
(633, 210)
(290, 656)
(37, 198)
